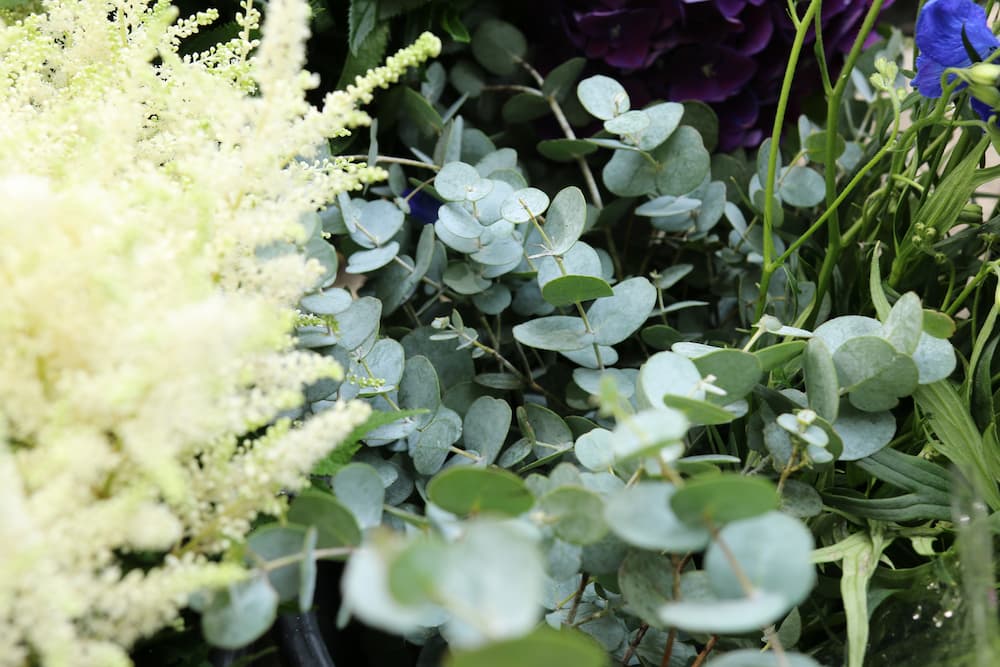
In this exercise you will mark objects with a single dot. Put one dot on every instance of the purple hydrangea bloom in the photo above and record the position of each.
(728, 53)
(939, 37)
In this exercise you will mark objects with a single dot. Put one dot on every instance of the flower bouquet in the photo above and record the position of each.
(625, 333)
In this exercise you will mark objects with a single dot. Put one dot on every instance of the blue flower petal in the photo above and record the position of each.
(939, 32)
(982, 108)
(928, 78)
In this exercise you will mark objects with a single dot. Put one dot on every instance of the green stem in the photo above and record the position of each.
(801, 28)
(834, 244)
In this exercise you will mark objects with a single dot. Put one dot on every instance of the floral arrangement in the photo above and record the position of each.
(600, 346)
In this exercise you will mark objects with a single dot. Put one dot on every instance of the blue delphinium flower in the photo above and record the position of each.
(954, 34)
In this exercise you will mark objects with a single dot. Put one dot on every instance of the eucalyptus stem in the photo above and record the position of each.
(834, 244)
(801, 28)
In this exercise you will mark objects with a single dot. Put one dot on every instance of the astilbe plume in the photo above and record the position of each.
(143, 333)
(728, 53)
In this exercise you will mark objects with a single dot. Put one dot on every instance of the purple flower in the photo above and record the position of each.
(729, 53)
(946, 31)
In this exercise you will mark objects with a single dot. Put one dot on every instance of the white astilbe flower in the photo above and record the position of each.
(143, 332)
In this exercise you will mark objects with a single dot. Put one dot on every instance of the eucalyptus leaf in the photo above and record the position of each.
(774, 554)
(486, 425)
(465, 490)
(615, 318)
(240, 614)
(723, 498)
(603, 97)
(359, 488)
(575, 514)
(542, 648)
(641, 516)
(498, 46)
(566, 219)
(556, 332)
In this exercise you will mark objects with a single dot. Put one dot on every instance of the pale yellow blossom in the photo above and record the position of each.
(143, 332)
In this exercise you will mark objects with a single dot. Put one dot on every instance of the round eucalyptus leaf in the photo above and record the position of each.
(413, 573)
(328, 302)
(822, 385)
(364, 261)
(565, 220)
(486, 425)
(580, 260)
(615, 318)
(562, 559)
(701, 117)
(565, 150)
(587, 357)
(542, 648)
(457, 220)
(575, 514)
(524, 107)
(736, 372)
(663, 120)
(498, 46)
(359, 488)
(754, 658)
(774, 553)
(874, 373)
(631, 174)
(492, 582)
(904, 326)
(379, 219)
(419, 388)
(699, 412)
(359, 322)
(628, 123)
(462, 278)
(723, 498)
(562, 78)
(493, 300)
(840, 329)
(725, 616)
(935, 359)
(603, 97)
(590, 380)
(431, 447)
(464, 490)
(524, 204)
(667, 373)
(334, 523)
(455, 180)
(776, 356)
(504, 381)
(366, 593)
(504, 252)
(307, 571)
(801, 187)
(863, 433)
(240, 614)
(556, 332)
(274, 541)
(667, 205)
(453, 240)
(641, 516)
(546, 425)
(646, 580)
(648, 431)
(684, 162)
(467, 78)
(800, 500)
(567, 290)
(594, 450)
(514, 454)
